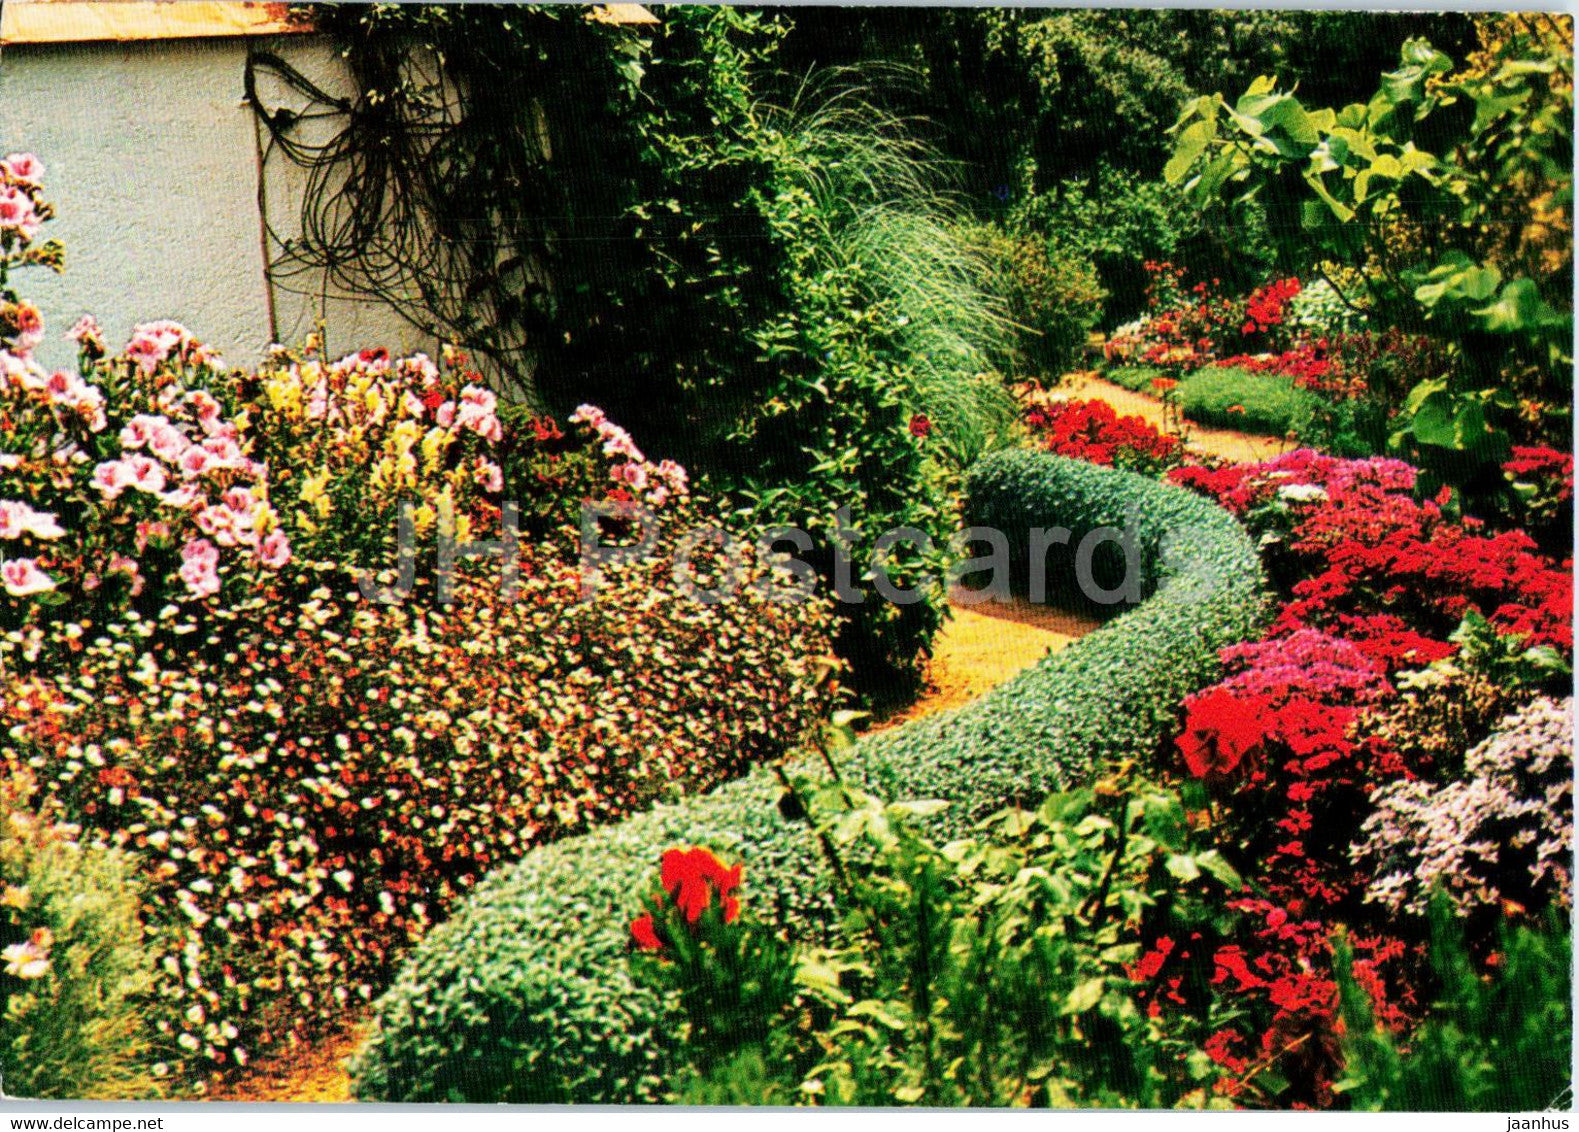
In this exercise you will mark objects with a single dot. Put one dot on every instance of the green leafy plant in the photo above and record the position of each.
(994, 970)
(1413, 185)
(1266, 404)
(1498, 1037)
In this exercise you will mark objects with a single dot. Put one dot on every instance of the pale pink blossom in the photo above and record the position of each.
(635, 475)
(23, 167)
(23, 577)
(275, 550)
(17, 519)
(17, 213)
(199, 567)
(112, 477)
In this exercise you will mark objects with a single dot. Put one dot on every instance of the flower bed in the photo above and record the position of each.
(525, 995)
(308, 777)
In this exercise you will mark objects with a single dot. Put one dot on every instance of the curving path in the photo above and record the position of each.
(1223, 443)
(978, 648)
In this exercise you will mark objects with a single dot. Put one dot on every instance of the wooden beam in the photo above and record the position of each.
(75, 21)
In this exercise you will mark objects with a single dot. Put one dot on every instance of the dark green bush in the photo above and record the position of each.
(1494, 1042)
(1053, 295)
(526, 994)
(1227, 397)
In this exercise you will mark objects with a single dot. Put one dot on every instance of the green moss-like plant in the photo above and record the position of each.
(526, 994)
(1261, 403)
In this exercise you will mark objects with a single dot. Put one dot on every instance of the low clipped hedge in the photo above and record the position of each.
(1137, 379)
(1262, 403)
(526, 995)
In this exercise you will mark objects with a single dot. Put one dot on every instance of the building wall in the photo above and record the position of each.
(151, 160)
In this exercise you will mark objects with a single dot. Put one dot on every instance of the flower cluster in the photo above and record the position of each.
(1502, 833)
(1377, 581)
(633, 476)
(355, 438)
(1265, 306)
(690, 878)
(126, 483)
(1189, 326)
(1362, 555)
(1093, 431)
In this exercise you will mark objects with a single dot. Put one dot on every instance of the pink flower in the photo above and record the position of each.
(145, 475)
(633, 474)
(275, 550)
(112, 477)
(675, 475)
(17, 214)
(23, 167)
(23, 577)
(17, 519)
(588, 415)
(199, 562)
(489, 475)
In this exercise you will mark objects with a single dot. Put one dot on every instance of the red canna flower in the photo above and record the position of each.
(644, 934)
(920, 426)
(692, 876)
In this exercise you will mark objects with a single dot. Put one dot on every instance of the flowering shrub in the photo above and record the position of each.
(74, 963)
(1306, 728)
(125, 485)
(1362, 555)
(1188, 326)
(1319, 309)
(1093, 431)
(313, 784)
(308, 777)
(1502, 833)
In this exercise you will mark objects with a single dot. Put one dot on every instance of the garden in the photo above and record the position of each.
(330, 752)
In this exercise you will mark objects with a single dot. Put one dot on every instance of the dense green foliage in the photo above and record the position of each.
(1050, 292)
(1451, 187)
(1496, 1041)
(992, 971)
(764, 283)
(78, 966)
(1263, 403)
(525, 995)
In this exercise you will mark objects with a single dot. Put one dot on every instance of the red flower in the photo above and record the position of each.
(1163, 384)
(692, 876)
(1221, 730)
(645, 934)
(920, 426)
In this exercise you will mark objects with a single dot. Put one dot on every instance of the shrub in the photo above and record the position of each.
(996, 971)
(77, 962)
(1052, 294)
(313, 783)
(1499, 1037)
(1264, 404)
(526, 995)
(1502, 833)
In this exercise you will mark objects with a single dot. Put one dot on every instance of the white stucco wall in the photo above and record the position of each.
(152, 164)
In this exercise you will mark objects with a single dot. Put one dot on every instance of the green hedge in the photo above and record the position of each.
(526, 994)
(1261, 403)
(1137, 379)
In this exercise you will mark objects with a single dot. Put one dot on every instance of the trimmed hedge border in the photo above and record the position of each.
(525, 994)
